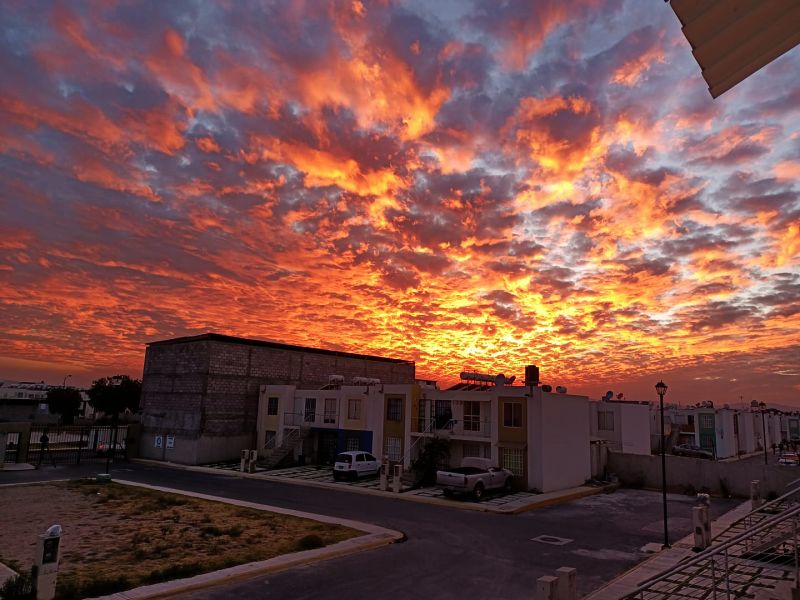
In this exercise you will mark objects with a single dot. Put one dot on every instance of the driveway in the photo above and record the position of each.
(449, 554)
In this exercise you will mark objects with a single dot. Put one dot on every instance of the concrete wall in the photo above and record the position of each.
(635, 470)
(635, 424)
(205, 392)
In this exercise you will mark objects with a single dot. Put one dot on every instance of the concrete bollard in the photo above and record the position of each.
(384, 477)
(547, 588)
(244, 463)
(45, 567)
(567, 583)
(702, 527)
(397, 472)
(251, 467)
(755, 494)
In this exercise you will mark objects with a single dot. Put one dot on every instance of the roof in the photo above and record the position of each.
(732, 39)
(218, 337)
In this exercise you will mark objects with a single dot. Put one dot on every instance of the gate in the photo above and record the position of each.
(74, 444)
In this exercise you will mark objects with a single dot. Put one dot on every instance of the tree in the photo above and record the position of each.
(65, 401)
(113, 395)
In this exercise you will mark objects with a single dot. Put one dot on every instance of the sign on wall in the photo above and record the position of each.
(159, 441)
(170, 441)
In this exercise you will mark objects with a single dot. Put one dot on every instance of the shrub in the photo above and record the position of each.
(174, 572)
(310, 542)
(19, 587)
(435, 453)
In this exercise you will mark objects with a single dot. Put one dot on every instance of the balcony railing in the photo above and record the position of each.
(468, 427)
(311, 418)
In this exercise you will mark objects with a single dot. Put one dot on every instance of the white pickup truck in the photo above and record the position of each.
(475, 476)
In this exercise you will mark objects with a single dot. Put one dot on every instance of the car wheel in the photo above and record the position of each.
(354, 475)
(336, 476)
(508, 487)
(448, 493)
(478, 492)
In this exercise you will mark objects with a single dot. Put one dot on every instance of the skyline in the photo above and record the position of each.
(474, 186)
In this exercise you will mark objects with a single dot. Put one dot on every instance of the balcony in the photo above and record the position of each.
(470, 427)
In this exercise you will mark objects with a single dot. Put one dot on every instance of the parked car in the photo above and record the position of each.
(104, 448)
(475, 476)
(354, 464)
(692, 451)
(789, 459)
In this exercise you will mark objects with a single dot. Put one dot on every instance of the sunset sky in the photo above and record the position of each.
(469, 185)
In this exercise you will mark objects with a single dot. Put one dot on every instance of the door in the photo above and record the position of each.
(327, 447)
(372, 464)
(361, 464)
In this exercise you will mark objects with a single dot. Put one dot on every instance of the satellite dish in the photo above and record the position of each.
(500, 380)
(561, 389)
(609, 395)
(547, 388)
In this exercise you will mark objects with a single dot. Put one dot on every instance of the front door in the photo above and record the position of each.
(327, 447)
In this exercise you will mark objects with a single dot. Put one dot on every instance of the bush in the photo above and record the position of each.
(435, 453)
(174, 572)
(19, 587)
(310, 542)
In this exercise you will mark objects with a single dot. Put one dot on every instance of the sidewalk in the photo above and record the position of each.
(664, 559)
(510, 505)
(375, 538)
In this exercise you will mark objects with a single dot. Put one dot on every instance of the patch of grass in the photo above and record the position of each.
(178, 571)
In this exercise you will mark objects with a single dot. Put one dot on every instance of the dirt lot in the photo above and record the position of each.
(118, 537)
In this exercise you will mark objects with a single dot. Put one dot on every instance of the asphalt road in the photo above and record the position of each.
(450, 553)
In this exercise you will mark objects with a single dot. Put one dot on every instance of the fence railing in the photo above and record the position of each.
(757, 554)
(67, 444)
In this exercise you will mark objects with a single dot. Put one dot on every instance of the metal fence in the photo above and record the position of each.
(72, 444)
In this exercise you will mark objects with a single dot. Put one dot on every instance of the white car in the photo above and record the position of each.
(355, 464)
(789, 459)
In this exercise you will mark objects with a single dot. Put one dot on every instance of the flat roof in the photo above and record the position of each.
(230, 339)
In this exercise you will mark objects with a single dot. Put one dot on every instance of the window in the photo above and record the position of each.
(605, 420)
(311, 410)
(472, 416)
(394, 410)
(272, 406)
(393, 449)
(444, 414)
(354, 408)
(269, 439)
(706, 421)
(352, 444)
(512, 414)
(330, 410)
(690, 421)
(471, 451)
(361, 458)
(514, 460)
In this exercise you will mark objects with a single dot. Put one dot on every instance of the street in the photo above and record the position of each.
(449, 551)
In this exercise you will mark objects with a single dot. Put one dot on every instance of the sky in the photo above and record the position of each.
(469, 185)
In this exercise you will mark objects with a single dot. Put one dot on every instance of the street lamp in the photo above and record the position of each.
(661, 390)
(63, 385)
(762, 406)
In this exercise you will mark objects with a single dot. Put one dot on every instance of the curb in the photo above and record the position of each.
(476, 507)
(376, 537)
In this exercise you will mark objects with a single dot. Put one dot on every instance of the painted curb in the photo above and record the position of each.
(376, 537)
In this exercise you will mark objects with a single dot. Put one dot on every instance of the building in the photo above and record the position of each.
(542, 437)
(25, 401)
(623, 424)
(200, 394)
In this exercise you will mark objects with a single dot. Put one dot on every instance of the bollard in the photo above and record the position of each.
(397, 471)
(244, 464)
(253, 459)
(546, 588)
(384, 477)
(567, 587)
(755, 494)
(45, 566)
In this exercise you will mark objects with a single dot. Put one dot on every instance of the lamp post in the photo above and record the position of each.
(661, 390)
(64, 385)
(762, 408)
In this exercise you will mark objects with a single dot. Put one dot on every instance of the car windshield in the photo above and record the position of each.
(344, 458)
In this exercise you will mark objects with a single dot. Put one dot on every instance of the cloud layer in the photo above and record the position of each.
(469, 185)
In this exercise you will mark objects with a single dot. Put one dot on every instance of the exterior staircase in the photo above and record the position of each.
(272, 456)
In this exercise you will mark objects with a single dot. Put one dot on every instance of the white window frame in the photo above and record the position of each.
(394, 448)
(515, 418)
(514, 460)
(354, 409)
(605, 420)
(329, 410)
(272, 403)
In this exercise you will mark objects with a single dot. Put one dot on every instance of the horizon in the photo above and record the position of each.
(467, 186)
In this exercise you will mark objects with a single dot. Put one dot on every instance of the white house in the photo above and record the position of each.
(625, 425)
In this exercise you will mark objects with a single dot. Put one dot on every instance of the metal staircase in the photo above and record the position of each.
(272, 456)
(757, 557)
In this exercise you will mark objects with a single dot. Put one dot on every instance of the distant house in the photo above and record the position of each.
(624, 424)
(25, 401)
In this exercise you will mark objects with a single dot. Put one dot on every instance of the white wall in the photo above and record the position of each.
(564, 449)
(635, 428)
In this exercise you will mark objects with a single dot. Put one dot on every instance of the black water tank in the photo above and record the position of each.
(531, 375)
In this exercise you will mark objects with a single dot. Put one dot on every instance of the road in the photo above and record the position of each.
(450, 553)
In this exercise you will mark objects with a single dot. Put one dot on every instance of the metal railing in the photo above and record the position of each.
(756, 554)
(462, 427)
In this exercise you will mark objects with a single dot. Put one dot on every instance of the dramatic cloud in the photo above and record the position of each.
(474, 185)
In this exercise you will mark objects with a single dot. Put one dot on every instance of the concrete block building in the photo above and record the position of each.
(200, 394)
